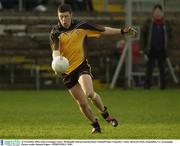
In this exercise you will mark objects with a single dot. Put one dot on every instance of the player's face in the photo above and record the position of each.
(157, 13)
(65, 19)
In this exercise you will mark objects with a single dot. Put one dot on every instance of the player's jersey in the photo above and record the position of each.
(71, 42)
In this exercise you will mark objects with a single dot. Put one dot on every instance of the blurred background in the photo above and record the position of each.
(25, 54)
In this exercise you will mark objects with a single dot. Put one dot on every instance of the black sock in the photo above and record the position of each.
(105, 113)
(95, 124)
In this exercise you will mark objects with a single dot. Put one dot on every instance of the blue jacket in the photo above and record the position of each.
(146, 35)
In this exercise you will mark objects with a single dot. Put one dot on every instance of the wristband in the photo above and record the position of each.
(122, 30)
(55, 53)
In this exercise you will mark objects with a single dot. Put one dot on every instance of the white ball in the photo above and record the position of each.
(60, 64)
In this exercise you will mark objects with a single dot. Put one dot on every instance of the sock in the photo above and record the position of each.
(105, 113)
(95, 124)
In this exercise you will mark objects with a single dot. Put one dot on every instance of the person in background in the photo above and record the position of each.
(135, 57)
(155, 44)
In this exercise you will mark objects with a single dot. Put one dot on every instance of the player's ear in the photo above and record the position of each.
(71, 14)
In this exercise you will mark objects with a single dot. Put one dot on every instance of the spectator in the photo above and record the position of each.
(155, 44)
(135, 57)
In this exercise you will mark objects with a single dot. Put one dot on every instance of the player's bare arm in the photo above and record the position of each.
(126, 30)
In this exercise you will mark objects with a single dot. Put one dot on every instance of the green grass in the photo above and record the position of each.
(142, 114)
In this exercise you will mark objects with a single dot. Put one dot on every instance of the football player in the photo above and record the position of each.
(67, 39)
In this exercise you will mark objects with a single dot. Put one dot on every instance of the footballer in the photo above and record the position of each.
(67, 39)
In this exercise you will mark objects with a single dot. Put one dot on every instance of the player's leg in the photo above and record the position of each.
(149, 70)
(161, 64)
(86, 83)
(77, 92)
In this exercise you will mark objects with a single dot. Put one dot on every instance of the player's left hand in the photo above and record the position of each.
(130, 31)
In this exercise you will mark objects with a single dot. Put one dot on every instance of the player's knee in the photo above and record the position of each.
(90, 94)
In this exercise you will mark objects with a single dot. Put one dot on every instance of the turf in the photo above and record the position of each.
(51, 114)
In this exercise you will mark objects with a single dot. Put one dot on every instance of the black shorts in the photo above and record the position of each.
(72, 79)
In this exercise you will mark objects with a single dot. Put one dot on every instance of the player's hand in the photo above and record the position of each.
(130, 31)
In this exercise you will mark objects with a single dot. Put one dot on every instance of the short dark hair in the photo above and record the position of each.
(157, 6)
(64, 8)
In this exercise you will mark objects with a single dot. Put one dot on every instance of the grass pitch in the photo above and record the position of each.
(141, 114)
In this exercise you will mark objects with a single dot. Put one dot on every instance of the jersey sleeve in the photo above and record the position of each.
(53, 39)
(91, 33)
(93, 30)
